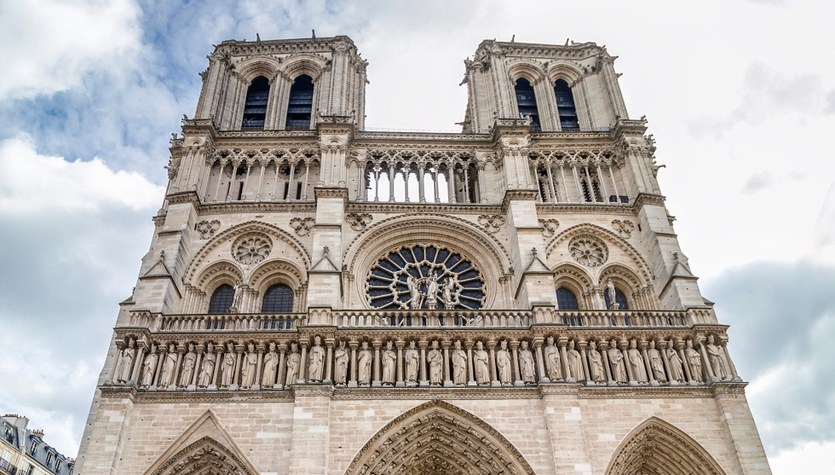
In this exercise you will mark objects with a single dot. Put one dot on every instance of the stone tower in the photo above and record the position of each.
(323, 299)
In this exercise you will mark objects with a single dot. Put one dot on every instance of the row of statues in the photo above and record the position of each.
(403, 364)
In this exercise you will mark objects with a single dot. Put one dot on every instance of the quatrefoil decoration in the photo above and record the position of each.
(252, 248)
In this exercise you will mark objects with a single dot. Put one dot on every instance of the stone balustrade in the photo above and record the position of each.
(432, 318)
(230, 322)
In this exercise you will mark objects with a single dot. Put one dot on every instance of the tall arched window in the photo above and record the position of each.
(222, 299)
(255, 107)
(566, 300)
(278, 299)
(565, 106)
(300, 105)
(620, 298)
(526, 100)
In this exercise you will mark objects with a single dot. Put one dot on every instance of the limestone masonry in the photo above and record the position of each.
(323, 299)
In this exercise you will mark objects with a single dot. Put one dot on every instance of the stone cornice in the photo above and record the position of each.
(644, 199)
(423, 208)
(288, 46)
(585, 208)
(180, 197)
(257, 207)
(522, 195)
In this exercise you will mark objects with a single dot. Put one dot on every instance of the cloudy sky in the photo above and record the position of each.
(739, 94)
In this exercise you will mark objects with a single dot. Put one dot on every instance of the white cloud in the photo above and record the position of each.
(38, 183)
(811, 457)
(47, 45)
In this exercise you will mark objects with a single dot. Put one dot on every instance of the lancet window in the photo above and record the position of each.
(566, 110)
(222, 299)
(425, 277)
(300, 104)
(578, 176)
(566, 300)
(250, 175)
(526, 101)
(255, 107)
(620, 298)
(278, 299)
(418, 176)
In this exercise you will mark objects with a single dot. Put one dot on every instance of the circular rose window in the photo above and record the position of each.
(425, 277)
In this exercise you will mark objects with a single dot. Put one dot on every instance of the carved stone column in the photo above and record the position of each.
(327, 378)
(236, 376)
(260, 348)
(181, 349)
(540, 360)
(422, 378)
(685, 362)
(723, 342)
(642, 345)
(376, 344)
(662, 347)
(140, 358)
(711, 376)
(563, 342)
(303, 362)
(200, 349)
(624, 348)
(447, 380)
(602, 347)
(517, 375)
(218, 363)
(282, 367)
(491, 349)
(398, 380)
(471, 378)
(163, 350)
(352, 378)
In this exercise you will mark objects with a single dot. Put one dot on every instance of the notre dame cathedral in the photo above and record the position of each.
(319, 298)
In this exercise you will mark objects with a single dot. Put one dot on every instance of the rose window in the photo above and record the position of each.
(588, 250)
(425, 277)
(251, 249)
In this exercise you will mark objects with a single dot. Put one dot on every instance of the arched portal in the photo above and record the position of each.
(656, 446)
(438, 438)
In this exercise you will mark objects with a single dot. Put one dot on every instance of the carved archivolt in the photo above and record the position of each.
(205, 456)
(283, 243)
(641, 269)
(656, 446)
(437, 437)
(456, 234)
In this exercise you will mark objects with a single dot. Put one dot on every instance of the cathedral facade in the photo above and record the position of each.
(319, 298)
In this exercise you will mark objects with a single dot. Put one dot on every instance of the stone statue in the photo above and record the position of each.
(238, 297)
(207, 368)
(169, 365)
(612, 293)
(125, 365)
(552, 360)
(459, 364)
(598, 373)
(316, 367)
(526, 365)
(228, 369)
(503, 363)
(432, 292)
(414, 292)
(270, 368)
(448, 290)
(676, 365)
(436, 360)
(412, 363)
(389, 364)
(340, 367)
(656, 363)
(250, 365)
(480, 362)
(364, 365)
(189, 362)
(294, 362)
(695, 360)
(575, 363)
(636, 362)
(717, 360)
(149, 366)
(616, 361)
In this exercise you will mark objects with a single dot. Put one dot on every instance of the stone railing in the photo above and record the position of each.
(221, 322)
(625, 318)
(433, 318)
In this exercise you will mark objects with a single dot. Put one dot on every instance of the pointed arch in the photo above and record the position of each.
(656, 446)
(205, 447)
(437, 437)
(290, 249)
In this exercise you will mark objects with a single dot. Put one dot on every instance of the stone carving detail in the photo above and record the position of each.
(189, 362)
(436, 360)
(459, 364)
(293, 365)
(364, 365)
(552, 360)
(503, 364)
(588, 250)
(125, 365)
(481, 364)
(252, 248)
(340, 366)
(425, 277)
(207, 369)
(624, 228)
(359, 221)
(549, 227)
(317, 361)
(207, 228)
(302, 226)
(412, 362)
(149, 367)
(491, 223)
(526, 364)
